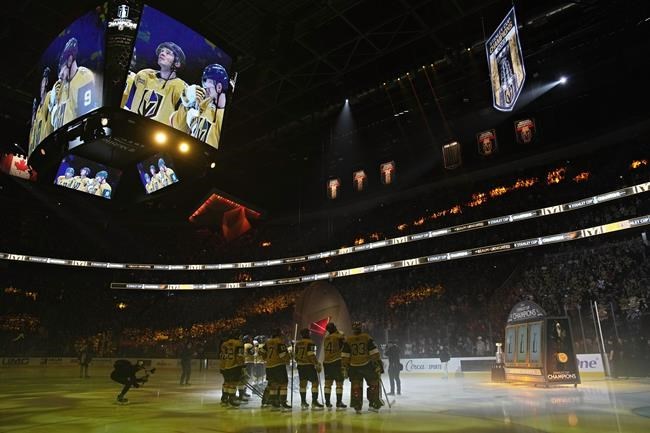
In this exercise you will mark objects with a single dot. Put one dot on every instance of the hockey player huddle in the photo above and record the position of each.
(355, 357)
(163, 96)
(165, 176)
(84, 182)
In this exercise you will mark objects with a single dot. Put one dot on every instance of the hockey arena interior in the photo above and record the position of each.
(325, 216)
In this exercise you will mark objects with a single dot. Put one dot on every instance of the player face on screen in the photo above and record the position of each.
(211, 89)
(69, 172)
(166, 58)
(101, 177)
(152, 170)
(85, 172)
(44, 83)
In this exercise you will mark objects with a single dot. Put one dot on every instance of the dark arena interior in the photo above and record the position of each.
(325, 216)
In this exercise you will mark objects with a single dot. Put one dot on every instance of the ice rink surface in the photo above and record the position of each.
(37, 400)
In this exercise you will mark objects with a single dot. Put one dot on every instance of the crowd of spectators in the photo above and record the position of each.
(458, 306)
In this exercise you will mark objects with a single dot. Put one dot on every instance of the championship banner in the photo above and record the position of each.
(525, 131)
(451, 155)
(359, 180)
(487, 142)
(333, 186)
(505, 63)
(387, 172)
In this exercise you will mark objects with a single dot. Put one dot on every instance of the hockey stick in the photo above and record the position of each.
(293, 349)
(253, 389)
(385, 393)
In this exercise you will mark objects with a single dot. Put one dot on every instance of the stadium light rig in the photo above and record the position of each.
(184, 147)
(563, 80)
(160, 138)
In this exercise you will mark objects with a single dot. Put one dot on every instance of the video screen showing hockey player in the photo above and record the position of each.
(70, 77)
(157, 173)
(87, 176)
(179, 78)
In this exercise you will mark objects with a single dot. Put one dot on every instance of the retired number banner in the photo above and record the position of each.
(505, 63)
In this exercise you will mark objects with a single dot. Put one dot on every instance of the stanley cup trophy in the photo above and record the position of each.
(498, 371)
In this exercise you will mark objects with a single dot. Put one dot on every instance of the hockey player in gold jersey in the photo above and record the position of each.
(75, 93)
(308, 369)
(41, 125)
(334, 372)
(231, 357)
(277, 357)
(166, 176)
(66, 179)
(202, 108)
(361, 357)
(130, 77)
(99, 185)
(148, 185)
(154, 182)
(155, 94)
(80, 183)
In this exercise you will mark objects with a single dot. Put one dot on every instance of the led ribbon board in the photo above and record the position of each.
(415, 261)
(505, 219)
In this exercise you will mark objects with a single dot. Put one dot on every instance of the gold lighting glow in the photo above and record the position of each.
(160, 137)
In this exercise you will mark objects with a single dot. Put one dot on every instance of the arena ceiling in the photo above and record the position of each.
(298, 58)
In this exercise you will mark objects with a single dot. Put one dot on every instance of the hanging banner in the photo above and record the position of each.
(525, 131)
(505, 63)
(359, 180)
(387, 172)
(451, 155)
(487, 142)
(333, 186)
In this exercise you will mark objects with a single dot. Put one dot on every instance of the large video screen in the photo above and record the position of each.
(157, 173)
(87, 176)
(178, 78)
(71, 71)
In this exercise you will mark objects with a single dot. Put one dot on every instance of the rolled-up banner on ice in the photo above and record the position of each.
(505, 63)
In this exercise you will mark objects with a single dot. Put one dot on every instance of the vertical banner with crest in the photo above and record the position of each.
(333, 188)
(505, 63)
(525, 131)
(387, 172)
(487, 142)
(359, 180)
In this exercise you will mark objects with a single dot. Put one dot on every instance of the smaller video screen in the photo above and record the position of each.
(87, 176)
(157, 173)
